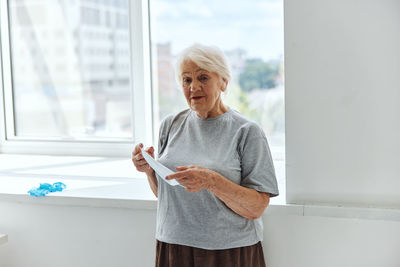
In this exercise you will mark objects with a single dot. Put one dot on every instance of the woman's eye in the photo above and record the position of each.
(203, 78)
(187, 80)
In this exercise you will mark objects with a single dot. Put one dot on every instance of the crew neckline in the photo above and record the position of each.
(194, 114)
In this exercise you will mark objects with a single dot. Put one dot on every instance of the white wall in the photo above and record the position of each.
(61, 236)
(58, 236)
(342, 64)
(297, 241)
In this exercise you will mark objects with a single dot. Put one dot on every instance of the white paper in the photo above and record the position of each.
(160, 169)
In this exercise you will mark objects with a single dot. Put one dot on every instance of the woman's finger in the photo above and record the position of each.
(150, 150)
(181, 168)
(142, 163)
(184, 181)
(139, 156)
(137, 149)
(179, 174)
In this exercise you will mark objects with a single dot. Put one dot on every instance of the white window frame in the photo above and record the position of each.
(142, 119)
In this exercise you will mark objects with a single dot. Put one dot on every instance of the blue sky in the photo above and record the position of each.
(253, 25)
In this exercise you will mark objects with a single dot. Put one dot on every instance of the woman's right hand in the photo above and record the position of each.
(138, 160)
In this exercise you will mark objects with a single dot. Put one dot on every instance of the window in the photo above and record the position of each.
(251, 35)
(77, 76)
(71, 76)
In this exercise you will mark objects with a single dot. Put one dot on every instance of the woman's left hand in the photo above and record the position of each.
(194, 178)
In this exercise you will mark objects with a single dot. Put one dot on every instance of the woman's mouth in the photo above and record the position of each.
(197, 97)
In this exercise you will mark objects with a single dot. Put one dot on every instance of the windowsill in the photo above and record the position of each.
(114, 183)
(90, 181)
(131, 193)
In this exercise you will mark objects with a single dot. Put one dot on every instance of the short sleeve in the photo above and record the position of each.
(258, 170)
(165, 127)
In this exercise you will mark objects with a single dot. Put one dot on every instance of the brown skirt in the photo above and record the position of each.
(172, 255)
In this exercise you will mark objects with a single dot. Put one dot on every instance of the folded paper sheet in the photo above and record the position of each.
(160, 169)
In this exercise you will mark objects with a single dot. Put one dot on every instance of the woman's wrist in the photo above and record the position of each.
(213, 181)
(152, 179)
(150, 173)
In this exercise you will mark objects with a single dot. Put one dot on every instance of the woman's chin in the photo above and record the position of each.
(196, 107)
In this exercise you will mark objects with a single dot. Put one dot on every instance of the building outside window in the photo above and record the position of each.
(70, 69)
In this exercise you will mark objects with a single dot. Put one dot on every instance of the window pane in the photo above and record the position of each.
(251, 35)
(71, 68)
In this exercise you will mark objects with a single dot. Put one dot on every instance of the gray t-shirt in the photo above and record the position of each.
(228, 144)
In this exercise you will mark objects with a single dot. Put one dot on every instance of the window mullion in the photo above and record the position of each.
(6, 74)
(141, 72)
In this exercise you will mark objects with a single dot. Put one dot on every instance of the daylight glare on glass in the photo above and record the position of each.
(71, 69)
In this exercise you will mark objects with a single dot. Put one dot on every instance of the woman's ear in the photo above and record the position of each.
(224, 84)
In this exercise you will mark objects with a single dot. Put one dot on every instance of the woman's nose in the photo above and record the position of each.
(194, 86)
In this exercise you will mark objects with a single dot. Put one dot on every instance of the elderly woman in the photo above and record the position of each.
(223, 162)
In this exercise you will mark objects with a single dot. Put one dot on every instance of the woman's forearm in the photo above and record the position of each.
(246, 202)
(151, 177)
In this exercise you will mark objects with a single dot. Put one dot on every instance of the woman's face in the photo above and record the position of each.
(202, 90)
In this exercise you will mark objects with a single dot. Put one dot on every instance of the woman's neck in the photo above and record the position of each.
(218, 109)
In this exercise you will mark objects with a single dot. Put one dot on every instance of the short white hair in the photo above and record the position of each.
(209, 58)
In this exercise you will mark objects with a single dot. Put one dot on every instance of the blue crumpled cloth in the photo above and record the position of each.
(46, 188)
